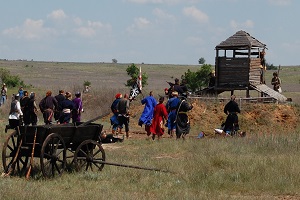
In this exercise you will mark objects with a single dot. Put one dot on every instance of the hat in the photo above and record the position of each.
(118, 96)
(175, 93)
(17, 95)
(77, 94)
(166, 89)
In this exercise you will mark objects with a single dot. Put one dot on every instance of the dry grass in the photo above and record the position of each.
(264, 165)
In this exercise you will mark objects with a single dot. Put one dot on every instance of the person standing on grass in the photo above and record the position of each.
(3, 94)
(15, 117)
(123, 114)
(232, 122)
(21, 92)
(172, 106)
(182, 119)
(33, 109)
(47, 106)
(76, 113)
(59, 98)
(147, 115)
(114, 119)
(67, 106)
(24, 106)
(160, 116)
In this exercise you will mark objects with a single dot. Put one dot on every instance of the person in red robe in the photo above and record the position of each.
(160, 116)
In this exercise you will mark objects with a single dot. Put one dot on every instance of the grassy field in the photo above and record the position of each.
(263, 165)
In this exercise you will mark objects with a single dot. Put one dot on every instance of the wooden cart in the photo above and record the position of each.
(53, 145)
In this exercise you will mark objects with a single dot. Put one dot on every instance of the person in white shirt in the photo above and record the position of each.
(15, 114)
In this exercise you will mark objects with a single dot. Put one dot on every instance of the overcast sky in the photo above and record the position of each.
(149, 31)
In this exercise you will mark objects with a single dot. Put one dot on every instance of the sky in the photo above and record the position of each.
(145, 31)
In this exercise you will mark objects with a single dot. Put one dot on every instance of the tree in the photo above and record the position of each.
(201, 61)
(197, 80)
(133, 72)
(114, 60)
(10, 80)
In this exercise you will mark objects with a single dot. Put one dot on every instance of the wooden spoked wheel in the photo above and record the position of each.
(53, 156)
(9, 151)
(89, 155)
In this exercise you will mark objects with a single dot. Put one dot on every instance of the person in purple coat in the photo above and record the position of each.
(147, 115)
(76, 113)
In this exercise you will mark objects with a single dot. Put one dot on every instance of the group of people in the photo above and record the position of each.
(23, 110)
(156, 115)
(62, 107)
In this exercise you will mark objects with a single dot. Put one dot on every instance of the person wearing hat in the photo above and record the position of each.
(59, 98)
(47, 106)
(15, 114)
(172, 106)
(3, 94)
(114, 119)
(177, 87)
(67, 106)
(76, 113)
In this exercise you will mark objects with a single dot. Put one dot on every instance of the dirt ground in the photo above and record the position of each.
(254, 118)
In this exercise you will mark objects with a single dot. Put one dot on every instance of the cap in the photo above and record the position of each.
(118, 96)
(77, 94)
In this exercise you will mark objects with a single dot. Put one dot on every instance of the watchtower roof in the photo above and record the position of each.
(240, 40)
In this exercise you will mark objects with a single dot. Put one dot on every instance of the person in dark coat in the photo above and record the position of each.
(33, 110)
(24, 106)
(67, 106)
(47, 106)
(231, 109)
(114, 119)
(123, 114)
(182, 119)
(60, 97)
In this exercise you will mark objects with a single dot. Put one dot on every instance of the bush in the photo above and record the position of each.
(10, 80)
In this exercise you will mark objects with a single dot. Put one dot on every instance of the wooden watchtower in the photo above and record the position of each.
(238, 63)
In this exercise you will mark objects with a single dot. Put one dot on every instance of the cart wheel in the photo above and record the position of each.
(9, 150)
(53, 156)
(89, 154)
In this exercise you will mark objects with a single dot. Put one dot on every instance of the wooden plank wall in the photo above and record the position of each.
(254, 74)
(233, 72)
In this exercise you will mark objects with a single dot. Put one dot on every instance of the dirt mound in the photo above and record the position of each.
(254, 118)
